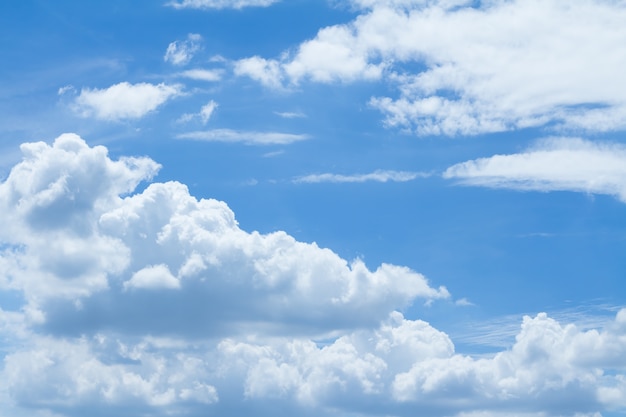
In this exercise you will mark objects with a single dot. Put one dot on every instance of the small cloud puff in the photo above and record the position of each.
(153, 277)
(181, 52)
(124, 100)
(204, 115)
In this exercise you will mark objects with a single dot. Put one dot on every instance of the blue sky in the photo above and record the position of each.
(312, 207)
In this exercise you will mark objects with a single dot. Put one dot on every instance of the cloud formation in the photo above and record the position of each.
(490, 67)
(376, 176)
(181, 52)
(246, 137)
(203, 74)
(204, 114)
(220, 4)
(554, 164)
(156, 302)
(124, 100)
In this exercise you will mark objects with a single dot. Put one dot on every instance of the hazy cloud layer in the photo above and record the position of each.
(157, 302)
(555, 164)
(124, 100)
(497, 66)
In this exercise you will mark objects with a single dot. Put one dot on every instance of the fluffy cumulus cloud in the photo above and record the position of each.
(154, 302)
(220, 4)
(124, 100)
(464, 68)
(555, 164)
(181, 52)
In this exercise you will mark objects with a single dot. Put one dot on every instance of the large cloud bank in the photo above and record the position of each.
(153, 302)
(465, 67)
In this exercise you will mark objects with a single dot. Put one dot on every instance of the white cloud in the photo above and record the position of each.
(377, 176)
(555, 164)
(203, 74)
(220, 4)
(267, 72)
(165, 238)
(290, 115)
(157, 302)
(207, 111)
(153, 277)
(124, 100)
(181, 52)
(247, 137)
(204, 115)
(481, 68)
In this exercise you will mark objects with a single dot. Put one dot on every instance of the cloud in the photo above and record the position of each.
(220, 4)
(267, 72)
(290, 115)
(555, 164)
(249, 138)
(377, 176)
(165, 239)
(462, 68)
(203, 74)
(181, 52)
(153, 277)
(154, 302)
(124, 100)
(204, 115)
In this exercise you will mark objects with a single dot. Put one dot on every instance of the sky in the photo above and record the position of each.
(313, 207)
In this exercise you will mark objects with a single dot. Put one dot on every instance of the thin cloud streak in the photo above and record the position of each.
(220, 4)
(246, 137)
(376, 176)
(199, 74)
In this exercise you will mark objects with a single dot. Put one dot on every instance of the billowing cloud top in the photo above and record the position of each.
(157, 302)
(112, 254)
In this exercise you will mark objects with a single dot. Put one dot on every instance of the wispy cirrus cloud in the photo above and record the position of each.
(246, 137)
(290, 114)
(124, 100)
(376, 176)
(181, 52)
(220, 4)
(553, 164)
(203, 115)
